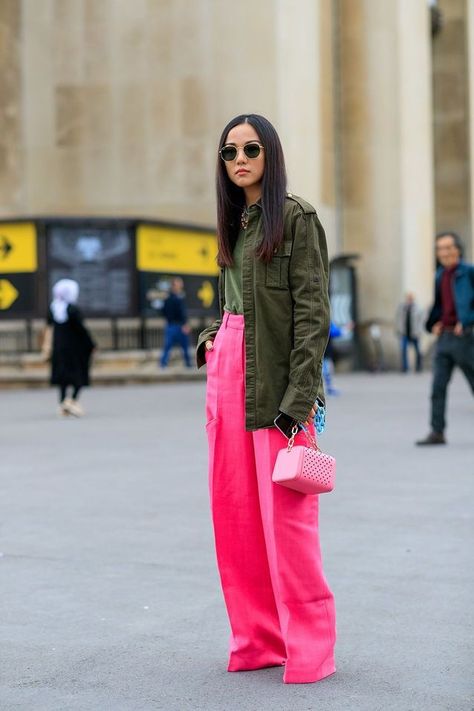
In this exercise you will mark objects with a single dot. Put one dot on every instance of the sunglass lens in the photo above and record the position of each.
(228, 152)
(252, 150)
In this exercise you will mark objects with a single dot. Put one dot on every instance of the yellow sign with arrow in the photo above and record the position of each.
(8, 294)
(18, 252)
(176, 251)
(206, 294)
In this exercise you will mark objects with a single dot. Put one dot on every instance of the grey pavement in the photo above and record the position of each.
(109, 596)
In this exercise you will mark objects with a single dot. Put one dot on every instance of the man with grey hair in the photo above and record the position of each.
(452, 320)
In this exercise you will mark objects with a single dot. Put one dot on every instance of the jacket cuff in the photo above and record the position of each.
(200, 356)
(321, 396)
(295, 404)
(208, 333)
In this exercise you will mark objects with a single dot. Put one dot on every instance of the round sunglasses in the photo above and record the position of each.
(251, 150)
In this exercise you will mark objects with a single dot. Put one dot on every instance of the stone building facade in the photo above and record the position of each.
(112, 107)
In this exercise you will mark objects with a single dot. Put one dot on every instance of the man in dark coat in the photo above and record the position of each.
(452, 320)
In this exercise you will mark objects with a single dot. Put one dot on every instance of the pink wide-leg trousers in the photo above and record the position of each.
(280, 607)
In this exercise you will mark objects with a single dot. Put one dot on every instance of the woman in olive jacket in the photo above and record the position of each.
(264, 360)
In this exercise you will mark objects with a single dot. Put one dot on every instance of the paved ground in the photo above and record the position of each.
(109, 598)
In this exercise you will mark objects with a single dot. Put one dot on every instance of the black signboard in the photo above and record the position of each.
(200, 293)
(100, 258)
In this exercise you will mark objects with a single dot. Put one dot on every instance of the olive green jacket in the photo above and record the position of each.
(286, 313)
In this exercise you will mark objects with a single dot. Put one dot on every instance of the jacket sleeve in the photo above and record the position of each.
(434, 314)
(309, 285)
(421, 317)
(471, 297)
(209, 333)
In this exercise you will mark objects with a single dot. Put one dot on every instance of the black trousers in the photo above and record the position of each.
(450, 351)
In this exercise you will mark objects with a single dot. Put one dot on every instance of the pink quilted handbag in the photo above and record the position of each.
(305, 469)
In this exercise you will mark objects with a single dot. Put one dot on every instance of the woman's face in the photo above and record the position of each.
(243, 171)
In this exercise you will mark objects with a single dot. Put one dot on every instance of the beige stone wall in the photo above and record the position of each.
(123, 102)
(115, 107)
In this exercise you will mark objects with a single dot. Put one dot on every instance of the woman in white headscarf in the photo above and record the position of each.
(72, 346)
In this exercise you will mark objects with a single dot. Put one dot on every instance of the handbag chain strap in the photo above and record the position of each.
(309, 437)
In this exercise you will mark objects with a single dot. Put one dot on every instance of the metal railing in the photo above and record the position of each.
(118, 334)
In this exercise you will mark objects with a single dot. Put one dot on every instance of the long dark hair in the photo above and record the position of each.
(231, 198)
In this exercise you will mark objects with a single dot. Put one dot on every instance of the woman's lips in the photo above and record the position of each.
(242, 172)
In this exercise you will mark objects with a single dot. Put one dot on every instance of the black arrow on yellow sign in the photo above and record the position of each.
(8, 294)
(5, 247)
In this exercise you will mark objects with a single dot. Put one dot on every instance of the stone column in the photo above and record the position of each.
(451, 119)
(305, 103)
(386, 136)
(416, 148)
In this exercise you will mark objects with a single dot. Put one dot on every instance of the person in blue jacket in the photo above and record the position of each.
(451, 319)
(328, 360)
(177, 330)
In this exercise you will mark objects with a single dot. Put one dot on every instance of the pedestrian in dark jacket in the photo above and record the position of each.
(72, 347)
(451, 319)
(177, 329)
(409, 322)
(264, 357)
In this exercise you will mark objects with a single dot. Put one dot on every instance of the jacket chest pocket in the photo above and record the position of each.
(276, 272)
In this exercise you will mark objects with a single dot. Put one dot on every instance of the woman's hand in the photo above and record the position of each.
(209, 345)
(311, 415)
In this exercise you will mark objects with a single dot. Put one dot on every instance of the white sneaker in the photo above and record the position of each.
(73, 407)
(62, 410)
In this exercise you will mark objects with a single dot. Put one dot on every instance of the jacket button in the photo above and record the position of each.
(290, 194)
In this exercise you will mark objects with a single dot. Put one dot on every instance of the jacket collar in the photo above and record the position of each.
(461, 268)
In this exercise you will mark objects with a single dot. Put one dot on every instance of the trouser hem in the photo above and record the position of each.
(262, 661)
(308, 676)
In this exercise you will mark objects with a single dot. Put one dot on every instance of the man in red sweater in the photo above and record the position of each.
(452, 320)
